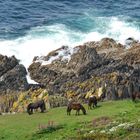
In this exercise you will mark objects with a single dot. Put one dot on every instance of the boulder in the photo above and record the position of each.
(12, 75)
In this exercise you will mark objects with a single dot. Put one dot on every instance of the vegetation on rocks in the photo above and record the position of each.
(18, 102)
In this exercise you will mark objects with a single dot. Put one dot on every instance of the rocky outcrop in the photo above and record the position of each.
(12, 75)
(7, 63)
(75, 67)
(92, 65)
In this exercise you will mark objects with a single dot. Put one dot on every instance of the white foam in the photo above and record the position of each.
(121, 30)
(36, 43)
(63, 54)
(30, 80)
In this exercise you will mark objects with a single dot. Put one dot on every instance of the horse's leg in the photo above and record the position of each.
(133, 97)
(42, 110)
(76, 112)
(90, 105)
(69, 112)
(95, 104)
(31, 111)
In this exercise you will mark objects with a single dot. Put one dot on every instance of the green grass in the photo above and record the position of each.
(25, 127)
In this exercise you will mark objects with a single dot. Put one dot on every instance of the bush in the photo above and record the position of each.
(44, 129)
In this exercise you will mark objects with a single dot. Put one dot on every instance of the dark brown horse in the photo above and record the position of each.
(75, 106)
(92, 102)
(39, 104)
(135, 95)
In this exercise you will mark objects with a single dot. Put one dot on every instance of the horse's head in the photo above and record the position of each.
(84, 110)
(28, 109)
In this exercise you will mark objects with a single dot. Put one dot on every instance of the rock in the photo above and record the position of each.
(130, 41)
(108, 47)
(12, 75)
(7, 63)
(90, 65)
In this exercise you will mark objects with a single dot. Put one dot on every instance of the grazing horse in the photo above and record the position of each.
(39, 104)
(75, 106)
(135, 95)
(92, 102)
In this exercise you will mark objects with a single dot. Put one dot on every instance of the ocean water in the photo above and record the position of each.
(35, 27)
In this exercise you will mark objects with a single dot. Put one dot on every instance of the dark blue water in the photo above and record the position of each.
(17, 17)
(31, 28)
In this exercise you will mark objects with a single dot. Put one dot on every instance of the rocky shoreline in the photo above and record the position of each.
(91, 66)
(79, 70)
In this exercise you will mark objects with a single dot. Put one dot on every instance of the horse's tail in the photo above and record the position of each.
(28, 108)
(83, 110)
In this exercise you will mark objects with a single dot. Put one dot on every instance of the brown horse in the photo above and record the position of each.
(92, 102)
(75, 106)
(135, 95)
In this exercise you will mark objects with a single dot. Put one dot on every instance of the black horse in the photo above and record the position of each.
(75, 106)
(39, 104)
(92, 102)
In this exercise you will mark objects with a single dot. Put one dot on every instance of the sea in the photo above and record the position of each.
(31, 28)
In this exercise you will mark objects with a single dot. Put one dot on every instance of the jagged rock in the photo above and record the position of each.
(93, 64)
(7, 63)
(108, 47)
(130, 41)
(12, 75)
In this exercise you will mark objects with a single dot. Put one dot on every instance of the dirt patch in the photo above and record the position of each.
(101, 121)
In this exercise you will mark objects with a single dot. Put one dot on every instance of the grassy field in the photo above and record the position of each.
(107, 121)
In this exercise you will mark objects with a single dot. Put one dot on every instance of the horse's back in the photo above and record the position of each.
(36, 104)
(74, 105)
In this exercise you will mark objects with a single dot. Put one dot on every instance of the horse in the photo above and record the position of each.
(75, 106)
(135, 95)
(39, 104)
(92, 102)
